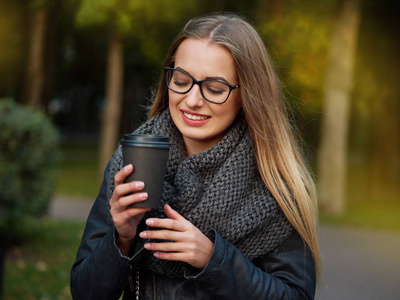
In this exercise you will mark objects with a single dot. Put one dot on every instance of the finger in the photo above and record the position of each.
(134, 211)
(164, 247)
(182, 251)
(120, 204)
(182, 247)
(172, 214)
(161, 235)
(173, 256)
(130, 187)
(122, 218)
(123, 190)
(131, 199)
(122, 174)
(167, 224)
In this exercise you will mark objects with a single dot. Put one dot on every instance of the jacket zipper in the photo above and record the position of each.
(134, 287)
(130, 280)
(137, 287)
(154, 287)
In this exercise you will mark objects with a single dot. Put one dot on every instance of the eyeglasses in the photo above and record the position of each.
(212, 90)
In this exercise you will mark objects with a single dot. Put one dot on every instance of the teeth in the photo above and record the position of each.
(196, 118)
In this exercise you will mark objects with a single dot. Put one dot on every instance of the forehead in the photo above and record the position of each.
(203, 59)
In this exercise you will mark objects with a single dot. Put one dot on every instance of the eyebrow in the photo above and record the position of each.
(219, 78)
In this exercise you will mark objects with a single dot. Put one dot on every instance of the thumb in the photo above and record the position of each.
(173, 214)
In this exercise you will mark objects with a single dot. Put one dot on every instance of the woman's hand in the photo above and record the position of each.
(190, 244)
(126, 219)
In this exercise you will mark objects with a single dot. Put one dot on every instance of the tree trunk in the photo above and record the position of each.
(112, 108)
(332, 160)
(34, 81)
(50, 53)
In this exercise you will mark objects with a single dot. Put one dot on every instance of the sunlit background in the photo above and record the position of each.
(90, 66)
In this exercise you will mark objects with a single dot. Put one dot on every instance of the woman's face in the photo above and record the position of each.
(203, 124)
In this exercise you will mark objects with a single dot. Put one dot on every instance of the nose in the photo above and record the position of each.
(194, 98)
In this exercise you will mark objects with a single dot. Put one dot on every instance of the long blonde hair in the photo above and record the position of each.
(279, 161)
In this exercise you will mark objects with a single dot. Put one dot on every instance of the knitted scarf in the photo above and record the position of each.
(219, 188)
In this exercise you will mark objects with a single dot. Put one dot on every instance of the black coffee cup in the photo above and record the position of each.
(149, 156)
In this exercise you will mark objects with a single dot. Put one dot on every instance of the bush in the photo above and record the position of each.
(28, 153)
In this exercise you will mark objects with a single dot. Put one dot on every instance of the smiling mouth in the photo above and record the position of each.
(195, 117)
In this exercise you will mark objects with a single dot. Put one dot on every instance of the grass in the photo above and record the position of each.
(40, 268)
(371, 206)
(371, 214)
(78, 171)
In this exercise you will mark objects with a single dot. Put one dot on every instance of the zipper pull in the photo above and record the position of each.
(130, 280)
(131, 283)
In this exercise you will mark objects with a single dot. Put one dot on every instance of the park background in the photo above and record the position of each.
(91, 65)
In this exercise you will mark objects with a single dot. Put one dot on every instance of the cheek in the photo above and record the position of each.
(173, 102)
(235, 107)
(170, 97)
(173, 99)
(226, 116)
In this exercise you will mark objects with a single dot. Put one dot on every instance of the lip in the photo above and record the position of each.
(192, 122)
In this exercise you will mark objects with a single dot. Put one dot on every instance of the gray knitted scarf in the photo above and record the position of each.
(218, 189)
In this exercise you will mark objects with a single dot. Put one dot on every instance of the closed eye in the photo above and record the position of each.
(215, 87)
(180, 83)
(214, 91)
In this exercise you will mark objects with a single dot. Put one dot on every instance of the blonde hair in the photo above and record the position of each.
(279, 161)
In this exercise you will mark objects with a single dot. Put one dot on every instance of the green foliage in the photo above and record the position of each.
(148, 22)
(28, 143)
(129, 15)
(301, 36)
(94, 12)
(40, 268)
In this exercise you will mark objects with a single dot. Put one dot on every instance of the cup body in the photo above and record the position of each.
(149, 156)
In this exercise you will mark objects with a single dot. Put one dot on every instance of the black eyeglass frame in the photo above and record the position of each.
(199, 83)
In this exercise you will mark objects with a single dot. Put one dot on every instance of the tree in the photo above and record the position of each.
(139, 19)
(35, 72)
(41, 53)
(114, 98)
(28, 153)
(337, 94)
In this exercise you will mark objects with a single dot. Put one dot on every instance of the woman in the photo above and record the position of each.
(239, 215)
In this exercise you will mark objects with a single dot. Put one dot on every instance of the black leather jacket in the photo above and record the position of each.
(101, 272)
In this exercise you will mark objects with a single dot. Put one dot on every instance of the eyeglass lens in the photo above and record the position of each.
(211, 90)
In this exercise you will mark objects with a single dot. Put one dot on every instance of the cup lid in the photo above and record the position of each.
(146, 140)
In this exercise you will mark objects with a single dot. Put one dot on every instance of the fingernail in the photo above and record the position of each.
(128, 168)
(150, 222)
(142, 234)
(143, 196)
(147, 246)
(139, 184)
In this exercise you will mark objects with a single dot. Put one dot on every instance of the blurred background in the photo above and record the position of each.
(75, 75)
